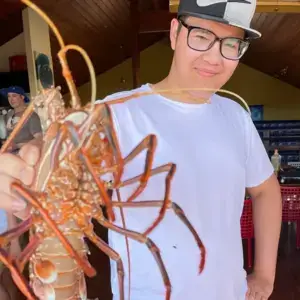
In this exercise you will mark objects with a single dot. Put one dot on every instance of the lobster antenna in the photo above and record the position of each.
(75, 100)
(208, 90)
(90, 66)
(178, 91)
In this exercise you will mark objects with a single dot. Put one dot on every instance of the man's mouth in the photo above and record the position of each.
(205, 72)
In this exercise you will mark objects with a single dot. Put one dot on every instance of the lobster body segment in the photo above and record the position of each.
(64, 193)
(54, 274)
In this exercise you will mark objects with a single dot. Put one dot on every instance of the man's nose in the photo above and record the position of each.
(213, 55)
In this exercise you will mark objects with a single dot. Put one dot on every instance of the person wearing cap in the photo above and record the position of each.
(18, 100)
(32, 130)
(218, 154)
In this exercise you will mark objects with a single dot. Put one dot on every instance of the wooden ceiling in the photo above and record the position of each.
(103, 28)
(277, 53)
(10, 20)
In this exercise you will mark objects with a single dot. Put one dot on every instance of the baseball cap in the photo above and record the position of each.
(238, 13)
(16, 90)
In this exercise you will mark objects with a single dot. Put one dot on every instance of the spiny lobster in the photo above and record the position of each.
(79, 146)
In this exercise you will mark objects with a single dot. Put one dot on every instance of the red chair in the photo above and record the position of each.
(247, 228)
(291, 208)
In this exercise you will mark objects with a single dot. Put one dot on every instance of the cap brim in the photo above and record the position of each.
(5, 92)
(250, 33)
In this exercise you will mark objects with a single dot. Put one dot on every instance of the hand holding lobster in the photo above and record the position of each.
(17, 168)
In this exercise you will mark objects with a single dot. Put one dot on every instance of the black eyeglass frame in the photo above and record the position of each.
(217, 39)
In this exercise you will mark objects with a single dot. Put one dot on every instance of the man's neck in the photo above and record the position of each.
(175, 92)
(19, 109)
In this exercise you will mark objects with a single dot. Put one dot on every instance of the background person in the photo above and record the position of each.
(18, 99)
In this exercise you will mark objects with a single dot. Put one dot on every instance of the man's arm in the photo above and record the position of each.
(37, 140)
(263, 187)
(267, 211)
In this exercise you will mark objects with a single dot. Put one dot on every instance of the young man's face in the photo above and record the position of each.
(195, 69)
(15, 100)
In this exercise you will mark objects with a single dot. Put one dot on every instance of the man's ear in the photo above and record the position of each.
(174, 31)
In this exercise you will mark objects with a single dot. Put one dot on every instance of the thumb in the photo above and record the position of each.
(30, 154)
(247, 294)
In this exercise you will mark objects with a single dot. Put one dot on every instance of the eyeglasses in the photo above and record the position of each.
(200, 39)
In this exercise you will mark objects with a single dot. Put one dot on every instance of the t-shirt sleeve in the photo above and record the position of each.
(258, 164)
(35, 124)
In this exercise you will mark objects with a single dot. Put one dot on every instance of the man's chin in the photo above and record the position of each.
(202, 90)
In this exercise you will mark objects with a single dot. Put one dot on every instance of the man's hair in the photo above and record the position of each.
(182, 18)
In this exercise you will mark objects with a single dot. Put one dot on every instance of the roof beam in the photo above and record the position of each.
(155, 21)
(134, 18)
(266, 6)
(159, 20)
(8, 8)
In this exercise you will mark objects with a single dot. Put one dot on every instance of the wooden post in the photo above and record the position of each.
(134, 15)
(37, 40)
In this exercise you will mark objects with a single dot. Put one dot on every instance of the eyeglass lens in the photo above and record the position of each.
(202, 40)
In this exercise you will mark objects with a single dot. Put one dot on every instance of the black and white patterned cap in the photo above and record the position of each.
(238, 13)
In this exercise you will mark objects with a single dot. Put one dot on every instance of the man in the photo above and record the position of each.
(17, 99)
(32, 130)
(218, 154)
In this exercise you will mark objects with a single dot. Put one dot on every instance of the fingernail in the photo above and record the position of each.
(18, 205)
(26, 175)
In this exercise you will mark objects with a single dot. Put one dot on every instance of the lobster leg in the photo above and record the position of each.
(26, 194)
(144, 240)
(13, 233)
(14, 265)
(17, 276)
(149, 143)
(113, 255)
(179, 213)
(170, 168)
(24, 118)
(28, 251)
(110, 133)
(76, 141)
(23, 258)
(102, 115)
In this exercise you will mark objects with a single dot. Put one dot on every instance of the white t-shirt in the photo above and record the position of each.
(218, 153)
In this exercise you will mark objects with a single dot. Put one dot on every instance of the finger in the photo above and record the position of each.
(6, 182)
(10, 203)
(30, 154)
(13, 166)
(252, 295)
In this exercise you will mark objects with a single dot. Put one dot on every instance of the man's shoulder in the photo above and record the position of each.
(235, 112)
(232, 108)
(124, 96)
(233, 104)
